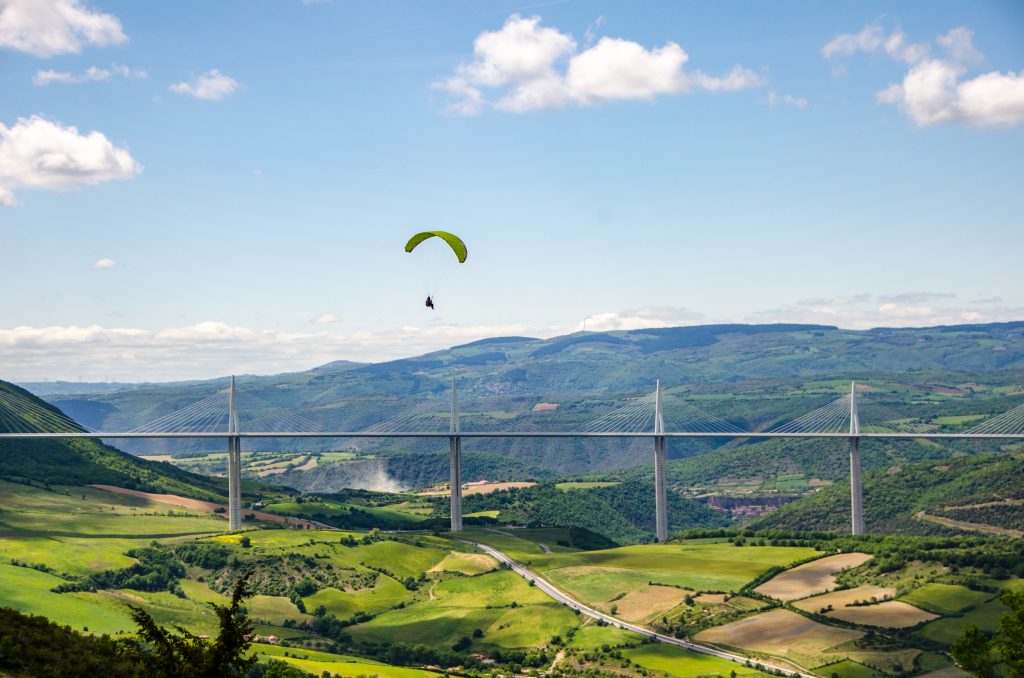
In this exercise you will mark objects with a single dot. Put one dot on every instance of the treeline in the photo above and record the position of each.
(157, 569)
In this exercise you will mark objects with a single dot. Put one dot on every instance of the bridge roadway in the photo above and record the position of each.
(565, 599)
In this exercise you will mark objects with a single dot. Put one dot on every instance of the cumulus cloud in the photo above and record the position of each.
(91, 74)
(936, 89)
(210, 86)
(36, 153)
(326, 319)
(210, 348)
(640, 318)
(104, 263)
(45, 28)
(531, 67)
(873, 39)
(776, 100)
(214, 348)
(908, 309)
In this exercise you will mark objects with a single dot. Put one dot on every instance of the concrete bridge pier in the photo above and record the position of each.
(660, 449)
(856, 486)
(455, 463)
(234, 463)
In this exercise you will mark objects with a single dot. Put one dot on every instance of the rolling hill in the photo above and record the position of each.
(984, 493)
(88, 461)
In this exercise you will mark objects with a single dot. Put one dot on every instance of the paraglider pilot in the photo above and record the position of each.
(430, 303)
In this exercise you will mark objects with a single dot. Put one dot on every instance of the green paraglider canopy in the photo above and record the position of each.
(454, 241)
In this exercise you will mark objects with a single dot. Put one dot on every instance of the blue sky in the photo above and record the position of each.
(241, 176)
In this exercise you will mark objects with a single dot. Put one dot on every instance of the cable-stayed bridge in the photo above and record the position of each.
(233, 415)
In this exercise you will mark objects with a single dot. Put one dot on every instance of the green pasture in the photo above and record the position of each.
(675, 661)
(385, 594)
(496, 589)
(595, 585)
(335, 664)
(701, 567)
(946, 631)
(592, 636)
(848, 669)
(166, 608)
(29, 591)
(944, 599)
(78, 530)
(485, 602)
(959, 420)
(469, 564)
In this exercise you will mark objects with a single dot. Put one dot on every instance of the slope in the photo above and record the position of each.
(88, 461)
(895, 497)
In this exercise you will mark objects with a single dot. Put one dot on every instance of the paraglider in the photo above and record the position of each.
(454, 242)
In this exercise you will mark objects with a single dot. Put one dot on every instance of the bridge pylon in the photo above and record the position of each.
(455, 462)
(660, 449)
(234, 463)
(856, 485)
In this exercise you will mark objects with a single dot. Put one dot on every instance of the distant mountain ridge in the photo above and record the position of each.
(584, 371)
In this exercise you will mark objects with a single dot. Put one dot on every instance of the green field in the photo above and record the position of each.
(335, 664)
(848, 669)
(676, 661)
(945, 599)
(80, 530)
(383, 596)
(592, 636)
(29, 591)
(484, 602)
(699, 567)
(947, 630)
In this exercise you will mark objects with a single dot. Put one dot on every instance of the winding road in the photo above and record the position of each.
(565, 599)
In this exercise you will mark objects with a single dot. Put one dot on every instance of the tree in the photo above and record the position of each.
(180, 654)
(973, 653)
(1011, 633)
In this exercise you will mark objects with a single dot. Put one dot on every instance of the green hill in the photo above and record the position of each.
(624, 512)
(88, 461)
(899, 499)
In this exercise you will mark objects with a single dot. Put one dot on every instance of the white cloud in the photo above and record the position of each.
(326, 319)
(874, 40)
(531, 67)
(214, 348)
(934, 89)
(38, 154)
(908, 309)
(210, 86)
(91, 74)
(959, 45)
(45, 28)
(590, 35)
(210, 348)
(641, 318)
(104, 263)
(776, 100)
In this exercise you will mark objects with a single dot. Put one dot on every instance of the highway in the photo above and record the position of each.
(565, 599)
